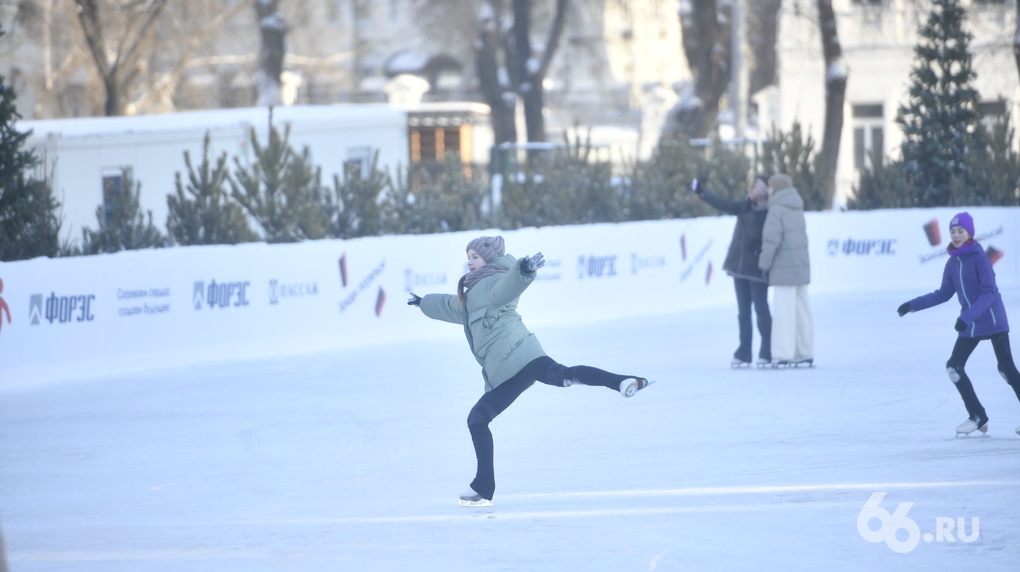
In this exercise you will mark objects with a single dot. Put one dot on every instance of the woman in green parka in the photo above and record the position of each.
(511, 357)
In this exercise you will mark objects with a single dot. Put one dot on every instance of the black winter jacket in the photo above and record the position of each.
(745, 247)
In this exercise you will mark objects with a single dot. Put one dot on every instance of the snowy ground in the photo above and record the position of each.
(352, 460)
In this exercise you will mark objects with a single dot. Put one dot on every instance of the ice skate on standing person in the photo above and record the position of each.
(785, 260)
(969, 275)
(741, 263)
(511, 357)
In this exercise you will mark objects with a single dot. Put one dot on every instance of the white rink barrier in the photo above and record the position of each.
(138, 310)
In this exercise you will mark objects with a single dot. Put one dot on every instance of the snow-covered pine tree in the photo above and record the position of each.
(996, 164)
(281, 190)
(355, 208)
(201, 211)
(122, 223)
(940, 119)
(29, 225)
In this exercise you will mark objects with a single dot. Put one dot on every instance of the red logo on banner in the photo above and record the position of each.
(4, 308)
(380, 299)
(994, 254)
(931, 230)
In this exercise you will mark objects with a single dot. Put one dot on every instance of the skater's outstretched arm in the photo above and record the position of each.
(945, 292)
(444, 307)
(512, 284)
(729, 206)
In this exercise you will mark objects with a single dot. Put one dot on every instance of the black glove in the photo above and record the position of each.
(904, 309)
(529, 264)
(960, 326)
(414, 300)
(694, 186)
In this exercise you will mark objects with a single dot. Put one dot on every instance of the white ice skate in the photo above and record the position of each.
(793, 363)
(739, 363)
(632, 385)
(472, 498)
(971, 425)
(762, 362)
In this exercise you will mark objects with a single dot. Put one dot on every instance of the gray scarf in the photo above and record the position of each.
(473, 278)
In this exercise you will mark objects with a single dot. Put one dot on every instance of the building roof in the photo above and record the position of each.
(209, 119)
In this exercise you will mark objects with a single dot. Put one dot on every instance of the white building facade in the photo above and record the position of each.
(878, 39)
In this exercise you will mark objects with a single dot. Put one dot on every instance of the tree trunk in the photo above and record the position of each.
(517, 60)
(500, 98)
(114, 106)
(117, 74)
(706, 45)
(272, 30)
(1016, 38)
(835, 97)
(763, 32)
(531, 74)
(520, 74)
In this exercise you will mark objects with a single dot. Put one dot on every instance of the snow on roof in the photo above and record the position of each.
(407, 61)
(209, 119)
(452, 107)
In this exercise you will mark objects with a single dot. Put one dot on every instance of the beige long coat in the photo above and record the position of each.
(784, 241)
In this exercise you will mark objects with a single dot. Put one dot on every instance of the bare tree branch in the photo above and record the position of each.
(552, 42)
(167, 83)
(128, 56)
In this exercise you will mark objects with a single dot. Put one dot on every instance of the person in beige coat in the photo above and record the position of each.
(511, 357)
(784, 258)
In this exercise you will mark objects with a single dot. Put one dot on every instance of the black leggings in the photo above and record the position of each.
(961, 353)
(492, 403)
(753, 293)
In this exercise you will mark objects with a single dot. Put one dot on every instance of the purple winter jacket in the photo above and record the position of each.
(969, 274)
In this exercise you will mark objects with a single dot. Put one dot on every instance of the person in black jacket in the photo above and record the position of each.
(741, 263)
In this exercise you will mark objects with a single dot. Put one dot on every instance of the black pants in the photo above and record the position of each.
(961, 353)
(753, 293)
(490, 405)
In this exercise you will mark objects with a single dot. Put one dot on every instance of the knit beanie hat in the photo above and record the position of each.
(780, 181)
(965, 220)
(488, 247)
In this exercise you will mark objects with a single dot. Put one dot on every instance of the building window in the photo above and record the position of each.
(992, 113)
(115, 185)
(869, 139)
(434, 144)
(359, 159)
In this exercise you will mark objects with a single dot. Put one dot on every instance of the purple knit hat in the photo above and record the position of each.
(488, 247)
(965, 220)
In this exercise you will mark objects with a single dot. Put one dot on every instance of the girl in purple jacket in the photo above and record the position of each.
(969, 275)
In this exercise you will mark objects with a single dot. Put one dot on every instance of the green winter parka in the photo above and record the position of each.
(495, 331)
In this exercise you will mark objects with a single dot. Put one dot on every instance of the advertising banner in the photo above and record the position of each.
(131, 311)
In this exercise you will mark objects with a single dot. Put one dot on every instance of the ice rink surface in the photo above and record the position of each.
(352, 460)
